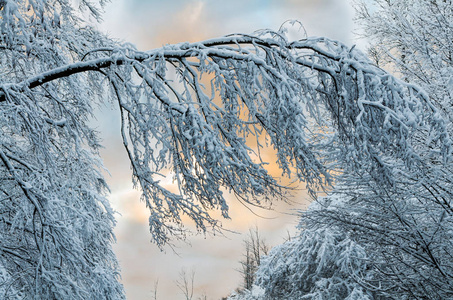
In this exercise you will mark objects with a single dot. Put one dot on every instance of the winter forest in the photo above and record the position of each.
(365, 133)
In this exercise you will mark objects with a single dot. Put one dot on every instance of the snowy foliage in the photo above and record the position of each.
(400, 213)
(414, 38)
(406, 226)
(323, 106)
(55, 222)
(318, 264)
(395, 208)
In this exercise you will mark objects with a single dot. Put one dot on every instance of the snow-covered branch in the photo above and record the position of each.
(256, 84)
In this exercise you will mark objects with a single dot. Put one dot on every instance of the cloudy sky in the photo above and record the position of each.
(215, 260)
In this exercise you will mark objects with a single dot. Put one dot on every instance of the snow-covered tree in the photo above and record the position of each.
(400, 214)
(318, 264)
(323, 106)
(55, 222)
(413, 38)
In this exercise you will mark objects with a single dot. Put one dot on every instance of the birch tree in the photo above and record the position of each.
(323, 106)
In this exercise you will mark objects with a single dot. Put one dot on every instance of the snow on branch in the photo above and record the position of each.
(316, 100)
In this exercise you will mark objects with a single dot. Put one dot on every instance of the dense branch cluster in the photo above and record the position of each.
(396, 209)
